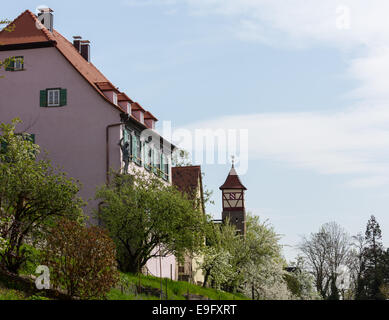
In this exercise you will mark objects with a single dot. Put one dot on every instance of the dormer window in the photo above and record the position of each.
(128, 108)
(141, 117)
(115, 98)
(53, 97)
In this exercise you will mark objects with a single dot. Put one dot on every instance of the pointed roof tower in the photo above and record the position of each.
(233, 180)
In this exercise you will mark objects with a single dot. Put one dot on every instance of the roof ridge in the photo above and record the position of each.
(44, 29)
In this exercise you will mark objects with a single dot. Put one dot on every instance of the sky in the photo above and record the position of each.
(307, 81)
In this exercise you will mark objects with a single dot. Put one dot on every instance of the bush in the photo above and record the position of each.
(81, 260)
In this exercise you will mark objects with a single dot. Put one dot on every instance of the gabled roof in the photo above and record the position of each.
(26, 29)
(233, 181)
(187, 179)
(29, 32)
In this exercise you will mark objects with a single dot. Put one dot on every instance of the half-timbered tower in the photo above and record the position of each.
(233, 201)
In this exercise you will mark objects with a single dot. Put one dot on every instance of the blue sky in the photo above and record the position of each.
(306, 79)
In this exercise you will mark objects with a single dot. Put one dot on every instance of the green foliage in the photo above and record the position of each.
(301, 282)
(176, 290)
(82, 260)
(147, 218)
(374, 267)
(33, 258)
(33, 196)
(252, 264)
(11, 294)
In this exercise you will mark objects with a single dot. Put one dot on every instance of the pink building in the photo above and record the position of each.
(73, 111)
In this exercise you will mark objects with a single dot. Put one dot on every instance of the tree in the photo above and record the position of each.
(263, 269)
(356, 264)
(252, 264)
(300, 281)
(33, 195)
(82, 260)
(326, 252)
(373, 264)
(149, 218)
(219, 265)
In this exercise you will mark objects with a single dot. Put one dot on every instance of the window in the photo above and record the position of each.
(165, 167)
(128, 108)
(53, 97)
(19, 63)
(141, 117)
(115, 98)
(136, 150)
(157, 162)
(14, 63)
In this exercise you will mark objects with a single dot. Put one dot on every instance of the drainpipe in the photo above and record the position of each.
(124, 118)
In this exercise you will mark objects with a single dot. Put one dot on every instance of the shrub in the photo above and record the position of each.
(81, 260)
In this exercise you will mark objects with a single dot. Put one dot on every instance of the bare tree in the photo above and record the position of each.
(355, 263)
(326, 252)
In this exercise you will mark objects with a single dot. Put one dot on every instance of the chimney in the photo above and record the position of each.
(77, 43)
(46, 17)
(85, 49)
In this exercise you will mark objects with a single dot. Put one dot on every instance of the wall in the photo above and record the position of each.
(74, 135)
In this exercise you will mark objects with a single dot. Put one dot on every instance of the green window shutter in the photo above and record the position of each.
(126, 136)
(63, 97)
(133, 147)
(43, 98)
(152, 159)
(3, 147)
(9, 64)
(144, 154)
(162, 162)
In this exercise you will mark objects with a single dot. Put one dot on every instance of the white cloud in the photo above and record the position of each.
(354, 141)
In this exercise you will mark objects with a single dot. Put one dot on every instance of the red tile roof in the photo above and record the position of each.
(106, 86)
(148, 115)
(136, 106)
(123, 97)
(232, 181)
(187, 179)
(26, 32)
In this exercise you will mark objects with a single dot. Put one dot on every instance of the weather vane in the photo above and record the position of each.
(233, 160)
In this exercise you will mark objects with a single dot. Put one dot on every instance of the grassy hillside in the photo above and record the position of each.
(176, 290)
(127, 290)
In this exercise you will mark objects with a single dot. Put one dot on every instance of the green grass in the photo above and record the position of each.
(176, 290)
(9, 294)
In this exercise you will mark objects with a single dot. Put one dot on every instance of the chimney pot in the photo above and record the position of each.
(77, 43)
(46, 17)
(85, 49)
